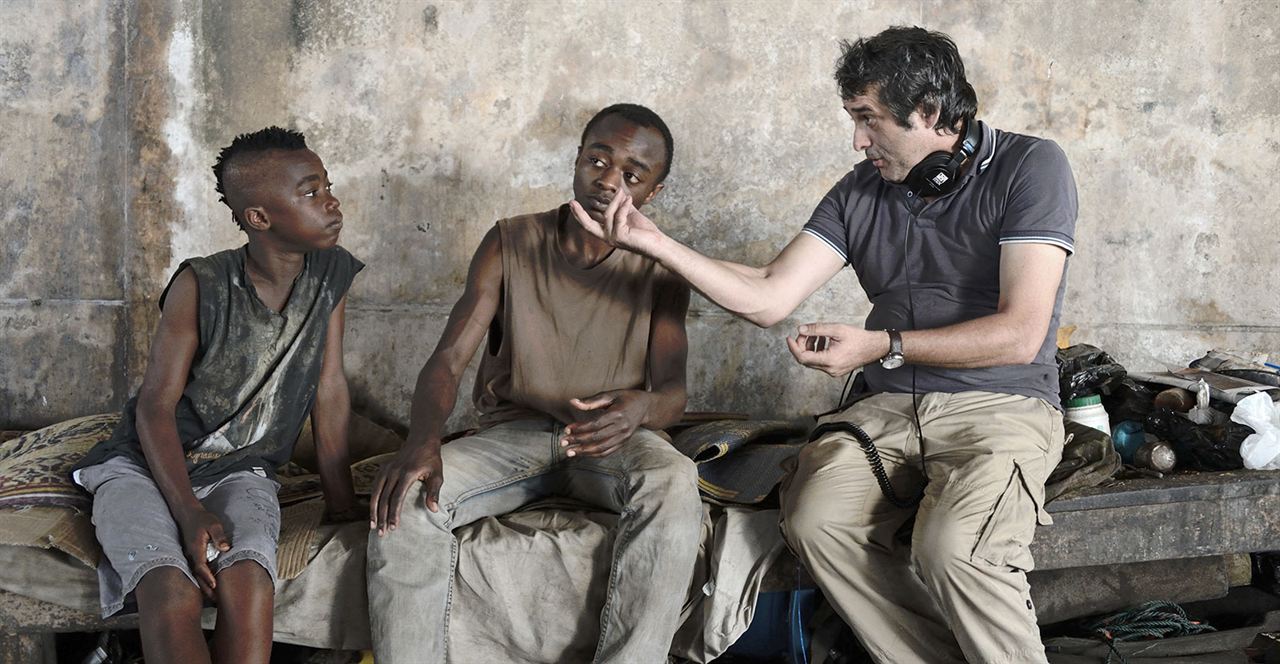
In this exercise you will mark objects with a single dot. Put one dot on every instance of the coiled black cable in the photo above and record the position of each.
(873, 458)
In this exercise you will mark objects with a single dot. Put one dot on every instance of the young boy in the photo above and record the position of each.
(249, 343)
(585, 360)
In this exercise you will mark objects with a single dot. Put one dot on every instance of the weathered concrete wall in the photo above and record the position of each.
(436, 118)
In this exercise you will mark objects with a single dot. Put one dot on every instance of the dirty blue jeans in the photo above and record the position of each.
(646, 481)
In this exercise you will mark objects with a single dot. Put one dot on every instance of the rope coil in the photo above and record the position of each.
(1152, 620)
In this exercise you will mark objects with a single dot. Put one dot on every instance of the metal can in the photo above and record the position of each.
(1156, 455)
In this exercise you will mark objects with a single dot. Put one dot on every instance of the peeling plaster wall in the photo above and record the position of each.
(437, 118)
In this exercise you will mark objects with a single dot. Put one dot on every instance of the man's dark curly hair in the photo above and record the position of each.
(641, 116)
(263, 140)
(910, 68)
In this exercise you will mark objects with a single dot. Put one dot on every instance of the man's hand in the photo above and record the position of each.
(412, 464)
(622, 225)
(610, 419)
(200, 528)
(837, 349)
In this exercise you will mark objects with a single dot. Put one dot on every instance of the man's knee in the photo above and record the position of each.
(941, 549)
(807, 511)
(672, 477)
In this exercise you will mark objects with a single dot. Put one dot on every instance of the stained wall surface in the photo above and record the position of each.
(437, 118)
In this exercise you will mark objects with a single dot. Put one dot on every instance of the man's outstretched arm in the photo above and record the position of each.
(618, 413)
(763, 295)
(437, 390)
(1029, 279)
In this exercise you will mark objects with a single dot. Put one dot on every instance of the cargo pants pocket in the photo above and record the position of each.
(1005, 537)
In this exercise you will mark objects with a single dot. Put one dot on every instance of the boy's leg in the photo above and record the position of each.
(249, 509)
(143, 553)
(169, 606)
(655, 490)
(845, 532)
(244, 629)
(411, 569)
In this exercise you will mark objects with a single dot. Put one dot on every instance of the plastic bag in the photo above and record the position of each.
(1198, 446)
(1085, 369)
(1129, 400)
(1260, 451)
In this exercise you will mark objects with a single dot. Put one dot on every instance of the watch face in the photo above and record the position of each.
(891, 361)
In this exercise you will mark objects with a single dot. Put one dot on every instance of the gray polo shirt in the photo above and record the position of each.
(928, 265)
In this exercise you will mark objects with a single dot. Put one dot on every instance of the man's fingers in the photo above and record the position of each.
(384, 502)
(796, 346)
(605, 447)
(597, 434)
(219, 537)
(589, 426)
(433, 492)
(394, 505)
(200, 565)
(588, 224)
(833, 330)
(805, 357)
(374, 499)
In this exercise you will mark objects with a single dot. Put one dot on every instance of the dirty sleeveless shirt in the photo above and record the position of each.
(563, 331)
(253, 378)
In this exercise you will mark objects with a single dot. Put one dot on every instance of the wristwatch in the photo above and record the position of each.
(894, 358)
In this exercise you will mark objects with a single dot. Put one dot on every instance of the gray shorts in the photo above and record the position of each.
(138, 534)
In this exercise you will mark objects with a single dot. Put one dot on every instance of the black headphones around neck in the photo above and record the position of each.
(939, 173)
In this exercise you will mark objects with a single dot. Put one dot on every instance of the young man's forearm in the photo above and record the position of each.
(331, 423)
(158, 436)
(434, 396)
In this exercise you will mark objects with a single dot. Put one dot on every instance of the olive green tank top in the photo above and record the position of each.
(563, 331)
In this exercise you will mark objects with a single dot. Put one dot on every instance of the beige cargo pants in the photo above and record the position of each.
(959, 591)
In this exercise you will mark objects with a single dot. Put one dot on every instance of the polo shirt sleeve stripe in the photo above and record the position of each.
(827, 242)
(1055, 240)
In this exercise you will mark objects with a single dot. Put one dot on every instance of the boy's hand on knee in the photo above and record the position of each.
(610, 418)
(412, 464)
(200, 530)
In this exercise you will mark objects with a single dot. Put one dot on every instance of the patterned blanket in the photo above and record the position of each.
(35, 467)
(41, 507)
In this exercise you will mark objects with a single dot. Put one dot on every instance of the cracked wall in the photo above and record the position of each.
(437, 118)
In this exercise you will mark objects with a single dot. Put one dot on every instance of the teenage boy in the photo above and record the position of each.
(585, 360)
(249, 344)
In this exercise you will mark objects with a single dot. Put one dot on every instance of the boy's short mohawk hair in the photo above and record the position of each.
(271, 138)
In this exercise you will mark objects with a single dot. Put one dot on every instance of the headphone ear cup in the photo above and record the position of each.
(939, 173)
(932, 176)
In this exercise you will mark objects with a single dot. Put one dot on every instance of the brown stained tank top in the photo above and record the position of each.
(563, 331)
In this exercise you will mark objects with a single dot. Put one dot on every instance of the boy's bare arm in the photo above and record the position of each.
(330, 421)
(172, 351)
(437, 390)
(618, 413)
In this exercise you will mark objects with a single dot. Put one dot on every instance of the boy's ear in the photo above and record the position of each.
(656, 188)
(255, 218)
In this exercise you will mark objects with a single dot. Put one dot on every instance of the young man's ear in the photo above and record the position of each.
(255, 218)
(656, 188)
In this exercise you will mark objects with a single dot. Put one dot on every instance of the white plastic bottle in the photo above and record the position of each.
(1088, 410)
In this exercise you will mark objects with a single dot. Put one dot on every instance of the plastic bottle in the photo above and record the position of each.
(1088, 410)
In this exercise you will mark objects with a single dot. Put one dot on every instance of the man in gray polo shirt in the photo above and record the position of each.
(959, 234)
